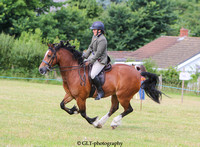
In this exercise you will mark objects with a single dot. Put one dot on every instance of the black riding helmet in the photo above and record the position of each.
(97, 25)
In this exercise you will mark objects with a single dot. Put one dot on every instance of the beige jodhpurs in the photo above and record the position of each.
(96, 69)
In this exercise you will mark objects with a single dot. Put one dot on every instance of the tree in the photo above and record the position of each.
(116, 1)
(157, 15)
(117, 20)
(188, 16)
(103, 3)
(49, 26)
(15, 14)
(93, 9)
(138, 22)
(67, 24)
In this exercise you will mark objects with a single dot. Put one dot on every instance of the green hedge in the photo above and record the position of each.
(6, 45)
(21, 57)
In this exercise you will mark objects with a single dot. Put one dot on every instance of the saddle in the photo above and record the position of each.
(101, 76)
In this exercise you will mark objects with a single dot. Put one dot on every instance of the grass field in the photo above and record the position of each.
(31, 116)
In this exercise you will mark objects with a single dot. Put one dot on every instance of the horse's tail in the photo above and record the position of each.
(150, 86)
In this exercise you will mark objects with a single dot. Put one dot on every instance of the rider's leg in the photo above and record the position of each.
(96, 69)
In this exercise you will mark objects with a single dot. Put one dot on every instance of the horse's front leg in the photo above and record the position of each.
(66, 100)
(82, 110)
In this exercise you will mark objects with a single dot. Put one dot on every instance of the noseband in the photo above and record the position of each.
(49, 64)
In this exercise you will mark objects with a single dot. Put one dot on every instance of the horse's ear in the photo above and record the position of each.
(67, 43)
(61, 43)
(53, 44)
(50, 45)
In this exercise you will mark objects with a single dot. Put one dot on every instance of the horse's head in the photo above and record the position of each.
(50, 59)
(63, 53)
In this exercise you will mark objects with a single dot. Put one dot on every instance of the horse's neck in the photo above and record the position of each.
(67, 65)
(66, 59)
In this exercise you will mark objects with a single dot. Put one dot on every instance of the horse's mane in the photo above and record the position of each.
(66, 45)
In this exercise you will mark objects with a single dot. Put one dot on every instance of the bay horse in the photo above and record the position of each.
(121, 83)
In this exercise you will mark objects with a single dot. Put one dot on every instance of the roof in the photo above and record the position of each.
(166, 51)
(192, 64)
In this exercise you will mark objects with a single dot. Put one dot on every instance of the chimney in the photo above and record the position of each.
(183, 32)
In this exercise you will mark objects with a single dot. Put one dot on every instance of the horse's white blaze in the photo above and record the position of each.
(116, 121)
(46, 53)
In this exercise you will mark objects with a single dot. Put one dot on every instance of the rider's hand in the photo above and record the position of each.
(83, 55)
(85, 60)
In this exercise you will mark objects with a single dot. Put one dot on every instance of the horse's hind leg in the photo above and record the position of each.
(66, 100)
(127, 109)
(114, 107)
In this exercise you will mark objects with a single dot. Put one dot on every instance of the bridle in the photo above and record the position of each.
(49, 64)
(69, 68)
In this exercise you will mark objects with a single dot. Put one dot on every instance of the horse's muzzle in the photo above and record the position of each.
(43, 70)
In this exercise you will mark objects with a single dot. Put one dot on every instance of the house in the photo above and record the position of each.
(182, 52)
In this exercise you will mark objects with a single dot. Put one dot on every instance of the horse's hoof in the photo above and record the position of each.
(113, 127)
(99, 126)
(76, 112)
(95, 122)
(97, 98)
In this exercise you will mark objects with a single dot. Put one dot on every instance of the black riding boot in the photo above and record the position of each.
(100, 92)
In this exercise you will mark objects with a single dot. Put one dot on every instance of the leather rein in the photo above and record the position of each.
(69, 68)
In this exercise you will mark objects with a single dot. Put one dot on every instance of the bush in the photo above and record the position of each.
(27, 53)
(6, 45)
(170, 77)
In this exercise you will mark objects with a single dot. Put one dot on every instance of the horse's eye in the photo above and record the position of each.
(48, 56)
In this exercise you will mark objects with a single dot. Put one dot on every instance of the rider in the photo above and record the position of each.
(97, 55)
